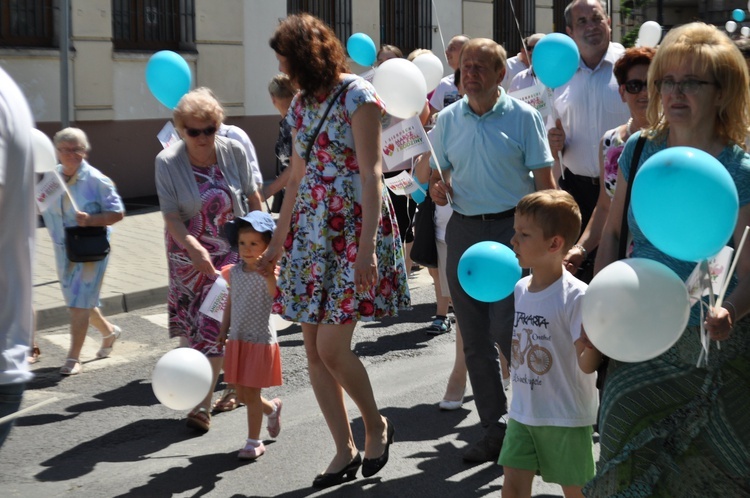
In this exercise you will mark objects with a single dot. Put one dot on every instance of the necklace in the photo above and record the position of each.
(629, 128)
(211, 159)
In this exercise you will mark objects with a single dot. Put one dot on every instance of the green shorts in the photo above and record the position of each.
(561, 455)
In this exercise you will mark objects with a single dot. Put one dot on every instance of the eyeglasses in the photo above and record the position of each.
(71, 150)
(688, 86)
(195, 132)
(635, 86)
(530, 48)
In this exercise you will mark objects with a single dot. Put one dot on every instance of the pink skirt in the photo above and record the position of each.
(252, 365)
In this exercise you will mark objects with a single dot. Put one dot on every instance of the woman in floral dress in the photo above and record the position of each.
(202, 182)
(342, 259)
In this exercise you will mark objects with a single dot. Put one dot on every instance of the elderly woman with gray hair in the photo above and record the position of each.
(96, 203)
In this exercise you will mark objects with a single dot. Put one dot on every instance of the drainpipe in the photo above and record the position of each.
(64, 55)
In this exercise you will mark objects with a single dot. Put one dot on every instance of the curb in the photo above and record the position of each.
(112, 304)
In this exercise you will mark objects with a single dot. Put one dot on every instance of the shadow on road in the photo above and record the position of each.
(130, 443)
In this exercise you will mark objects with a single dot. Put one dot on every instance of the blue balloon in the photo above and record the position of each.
(488, 271)
(685, 203)
(555, 59)
(418, 196)
(738, 15)
(361, 49)
(168, 77)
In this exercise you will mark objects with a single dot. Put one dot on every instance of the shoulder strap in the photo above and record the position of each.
(633, 170)
(323, 118)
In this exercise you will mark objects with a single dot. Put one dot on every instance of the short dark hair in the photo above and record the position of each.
(635, 56)
(314, 54)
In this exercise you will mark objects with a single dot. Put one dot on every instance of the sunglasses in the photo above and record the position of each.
(635, 86)
(71, 150)
(195, 132)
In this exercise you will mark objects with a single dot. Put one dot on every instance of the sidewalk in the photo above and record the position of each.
(136, 275)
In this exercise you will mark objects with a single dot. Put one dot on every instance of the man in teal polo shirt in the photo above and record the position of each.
(492, 150)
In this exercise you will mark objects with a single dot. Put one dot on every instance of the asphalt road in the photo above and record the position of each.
(108, 436)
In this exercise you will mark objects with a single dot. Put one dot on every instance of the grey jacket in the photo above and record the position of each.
(176, 186)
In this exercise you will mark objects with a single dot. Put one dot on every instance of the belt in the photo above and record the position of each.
(591, 180)
(491, 216)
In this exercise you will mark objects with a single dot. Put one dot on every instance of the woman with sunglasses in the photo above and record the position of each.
(630, 71)
(97, 204)
(668, 427)
(202, 182)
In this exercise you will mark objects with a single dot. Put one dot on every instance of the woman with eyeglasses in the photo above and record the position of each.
(667, 427)
(98, 204)
(630, 71)
(202, 182)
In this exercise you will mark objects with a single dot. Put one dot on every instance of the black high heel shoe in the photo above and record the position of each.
(371, 466)
(348, 473)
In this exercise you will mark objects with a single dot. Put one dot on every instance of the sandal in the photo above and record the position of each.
(35, 354)
(228, 401)
(72, 367)
(199, 419)
(104, 352)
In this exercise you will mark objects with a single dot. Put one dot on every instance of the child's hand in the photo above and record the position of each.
(221, 339)
(585, 340)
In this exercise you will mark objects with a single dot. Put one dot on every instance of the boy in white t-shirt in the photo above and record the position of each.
(554, 402)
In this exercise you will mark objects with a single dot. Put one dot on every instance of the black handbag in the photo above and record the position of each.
(424, 248)
(85, 244)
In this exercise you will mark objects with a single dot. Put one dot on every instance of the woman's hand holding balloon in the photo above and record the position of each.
(719, 324)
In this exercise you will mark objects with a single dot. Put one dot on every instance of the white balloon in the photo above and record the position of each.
(649, 34)
(43, 151)
(279, 323)
(730, 26)
(745, 31)
(182, 378)
(635, 309)
(432, 69)
(401, 86)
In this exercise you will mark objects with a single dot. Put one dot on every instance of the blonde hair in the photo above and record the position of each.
(494, 49)
(200, 104)
(416, 53)
(281, 87)
(555, 212)
(704, 49)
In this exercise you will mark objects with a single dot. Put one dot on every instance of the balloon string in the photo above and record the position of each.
(732, 267)
(440, 30)
(65, 188)
(518, 27)
(439, 168)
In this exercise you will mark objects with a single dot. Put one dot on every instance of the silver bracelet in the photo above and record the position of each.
(732, 315)
(582, 249)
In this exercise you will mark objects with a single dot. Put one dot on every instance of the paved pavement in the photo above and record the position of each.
(136, 275)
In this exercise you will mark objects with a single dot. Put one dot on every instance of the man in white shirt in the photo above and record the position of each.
(446, 92)
(520, 62)
(588, 105)
(18, 222)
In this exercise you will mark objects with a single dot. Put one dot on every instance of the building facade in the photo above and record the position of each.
(225, 43)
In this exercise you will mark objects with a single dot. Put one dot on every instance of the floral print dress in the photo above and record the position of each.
(316, 283)
(612, 146)
(188, 287)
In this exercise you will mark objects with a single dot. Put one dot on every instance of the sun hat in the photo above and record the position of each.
(260, 221)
